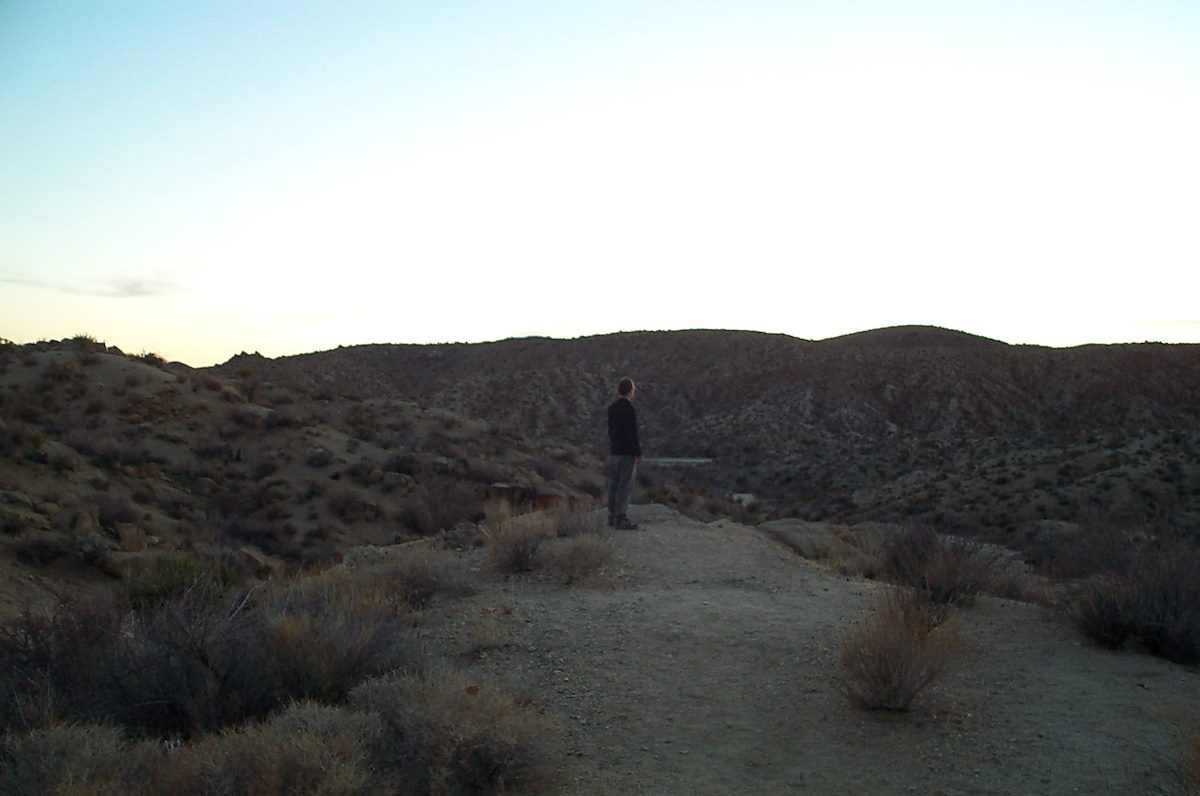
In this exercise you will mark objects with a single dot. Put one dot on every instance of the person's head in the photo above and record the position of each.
(626, 388)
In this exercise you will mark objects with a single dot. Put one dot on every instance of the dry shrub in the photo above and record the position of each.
(1104, 611)
(513, 543)
(446, 733)
(453, 501)
(307, 748)
(898, 650)
(1157, 603)
(579, 558)
(421, 573)
(325, 634)
(946, 569)
(203, 660)
(577, 522)
(74, 759)
(167, 577)
(1189, 764)
(349, 506)
(1166, 613)
(189, 666)
(47, 661)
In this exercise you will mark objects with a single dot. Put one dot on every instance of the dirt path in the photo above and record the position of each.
(707, 665)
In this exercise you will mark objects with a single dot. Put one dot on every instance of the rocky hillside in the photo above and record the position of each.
(108, 459)
(893, 423)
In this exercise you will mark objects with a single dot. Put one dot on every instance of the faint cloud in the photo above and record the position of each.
(112, 288)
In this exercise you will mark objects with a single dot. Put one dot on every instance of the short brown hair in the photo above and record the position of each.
(624, 386)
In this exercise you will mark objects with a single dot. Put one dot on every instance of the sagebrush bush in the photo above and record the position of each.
(946, 569)
(514, 547)
(95, 760)
(578, 558)
(896, 652)
(325, 634)
(1104, 611)
(420, 574)
(307, 748)
(202, 660)
(446, 733)
(1157, 603)
(1166, 583)
(48, 661)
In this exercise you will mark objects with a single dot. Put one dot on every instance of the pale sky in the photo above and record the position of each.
(203, 178)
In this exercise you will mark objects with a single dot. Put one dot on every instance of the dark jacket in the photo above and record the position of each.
(622, 429)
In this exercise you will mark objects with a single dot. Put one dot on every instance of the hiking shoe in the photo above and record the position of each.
(624, 524)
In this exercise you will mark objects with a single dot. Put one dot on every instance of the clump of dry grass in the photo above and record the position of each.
(513, 541)
(579, 558)
(577, 522)
(446, 733)
(421, 573)
(896, 652)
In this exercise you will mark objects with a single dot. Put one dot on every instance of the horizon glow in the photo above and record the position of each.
(199, 179)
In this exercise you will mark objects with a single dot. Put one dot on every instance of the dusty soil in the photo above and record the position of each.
(705, 662)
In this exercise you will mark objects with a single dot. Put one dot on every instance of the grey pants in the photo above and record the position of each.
(620, 484)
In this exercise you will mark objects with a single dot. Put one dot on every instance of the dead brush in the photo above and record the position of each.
(1104, 611)
(945, 569)
(448, 733)
(575, 560)
(326, 633)
(901, 647)
(513, 542)
(92, 759)
(306, 748)
(578, 522)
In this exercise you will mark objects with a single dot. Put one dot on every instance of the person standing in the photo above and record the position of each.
(625, 454)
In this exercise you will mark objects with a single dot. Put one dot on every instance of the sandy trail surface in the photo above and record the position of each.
(706, 663)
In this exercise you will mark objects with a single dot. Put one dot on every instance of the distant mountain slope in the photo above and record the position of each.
(885, 424)
(719, 388)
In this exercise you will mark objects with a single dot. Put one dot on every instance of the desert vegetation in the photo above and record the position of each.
(1152, 597)
(312, 684)
(198, 536)
(893, 654)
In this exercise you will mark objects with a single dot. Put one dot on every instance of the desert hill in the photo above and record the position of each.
(331, 507)
(298, 458)
(887, 424)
